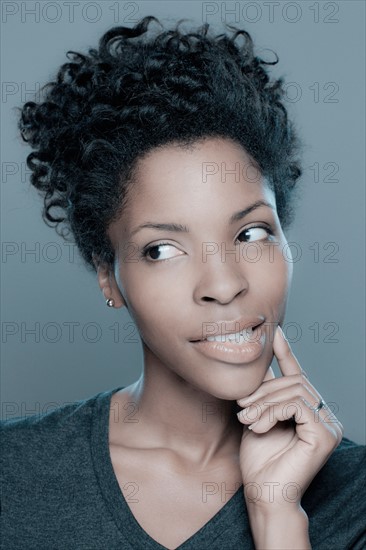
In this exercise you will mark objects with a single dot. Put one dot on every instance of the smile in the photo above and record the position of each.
(238, 347)
(237, 337)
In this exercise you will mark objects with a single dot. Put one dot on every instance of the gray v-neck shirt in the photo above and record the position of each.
(59, 491)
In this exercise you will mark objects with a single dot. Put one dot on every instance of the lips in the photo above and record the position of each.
(216, 328)
(243, 352)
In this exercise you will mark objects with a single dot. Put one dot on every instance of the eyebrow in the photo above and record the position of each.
(179, 228)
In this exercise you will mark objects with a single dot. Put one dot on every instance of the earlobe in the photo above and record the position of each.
(113, 298)
(108, 286)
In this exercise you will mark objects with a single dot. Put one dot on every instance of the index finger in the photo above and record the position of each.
(285, 357)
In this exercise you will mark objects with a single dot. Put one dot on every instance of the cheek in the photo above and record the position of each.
(279, 270)
(271, 279)
(149, 301)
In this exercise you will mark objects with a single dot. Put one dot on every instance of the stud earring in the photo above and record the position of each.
(110, 302)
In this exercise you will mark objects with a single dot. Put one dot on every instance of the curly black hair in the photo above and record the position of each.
(138, 91)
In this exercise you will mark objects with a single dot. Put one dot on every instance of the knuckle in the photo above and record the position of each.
(300, 387)
(332, 439)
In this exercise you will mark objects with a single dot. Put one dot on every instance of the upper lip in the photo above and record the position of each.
(227, 327)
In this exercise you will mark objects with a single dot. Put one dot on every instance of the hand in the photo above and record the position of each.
(280, 456)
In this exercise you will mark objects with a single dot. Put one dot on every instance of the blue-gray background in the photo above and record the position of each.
(321, 49)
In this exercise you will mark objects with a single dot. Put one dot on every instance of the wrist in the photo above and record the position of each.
(274, 529)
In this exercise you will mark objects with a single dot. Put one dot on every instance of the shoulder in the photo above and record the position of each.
(33, 438)
(347, 452)
(34, 425)
(335, 502)
(47, 477)
(344, 470)
(346, 463)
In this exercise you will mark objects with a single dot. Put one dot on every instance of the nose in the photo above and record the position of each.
(220, 280)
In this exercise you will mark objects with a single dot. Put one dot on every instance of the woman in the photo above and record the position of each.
(175, 165)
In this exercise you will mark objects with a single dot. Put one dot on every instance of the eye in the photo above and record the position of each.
(152, 254)
(258, 232)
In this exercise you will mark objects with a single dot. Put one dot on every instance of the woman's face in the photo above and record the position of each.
(217, 270)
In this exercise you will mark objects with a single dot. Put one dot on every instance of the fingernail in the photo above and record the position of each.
(251, 426)
(244, 400)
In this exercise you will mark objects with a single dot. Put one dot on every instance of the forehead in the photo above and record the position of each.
(207, 156)
(210, 168)
(196, 184)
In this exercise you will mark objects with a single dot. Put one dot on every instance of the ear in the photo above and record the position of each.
(107, 283)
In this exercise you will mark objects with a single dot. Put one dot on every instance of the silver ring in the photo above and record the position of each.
(320, 406)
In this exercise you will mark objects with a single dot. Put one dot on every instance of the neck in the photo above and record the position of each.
(175, 415)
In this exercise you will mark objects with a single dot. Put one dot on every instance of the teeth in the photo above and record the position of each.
(238, 337)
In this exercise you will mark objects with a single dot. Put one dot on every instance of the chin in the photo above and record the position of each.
(229, 391)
